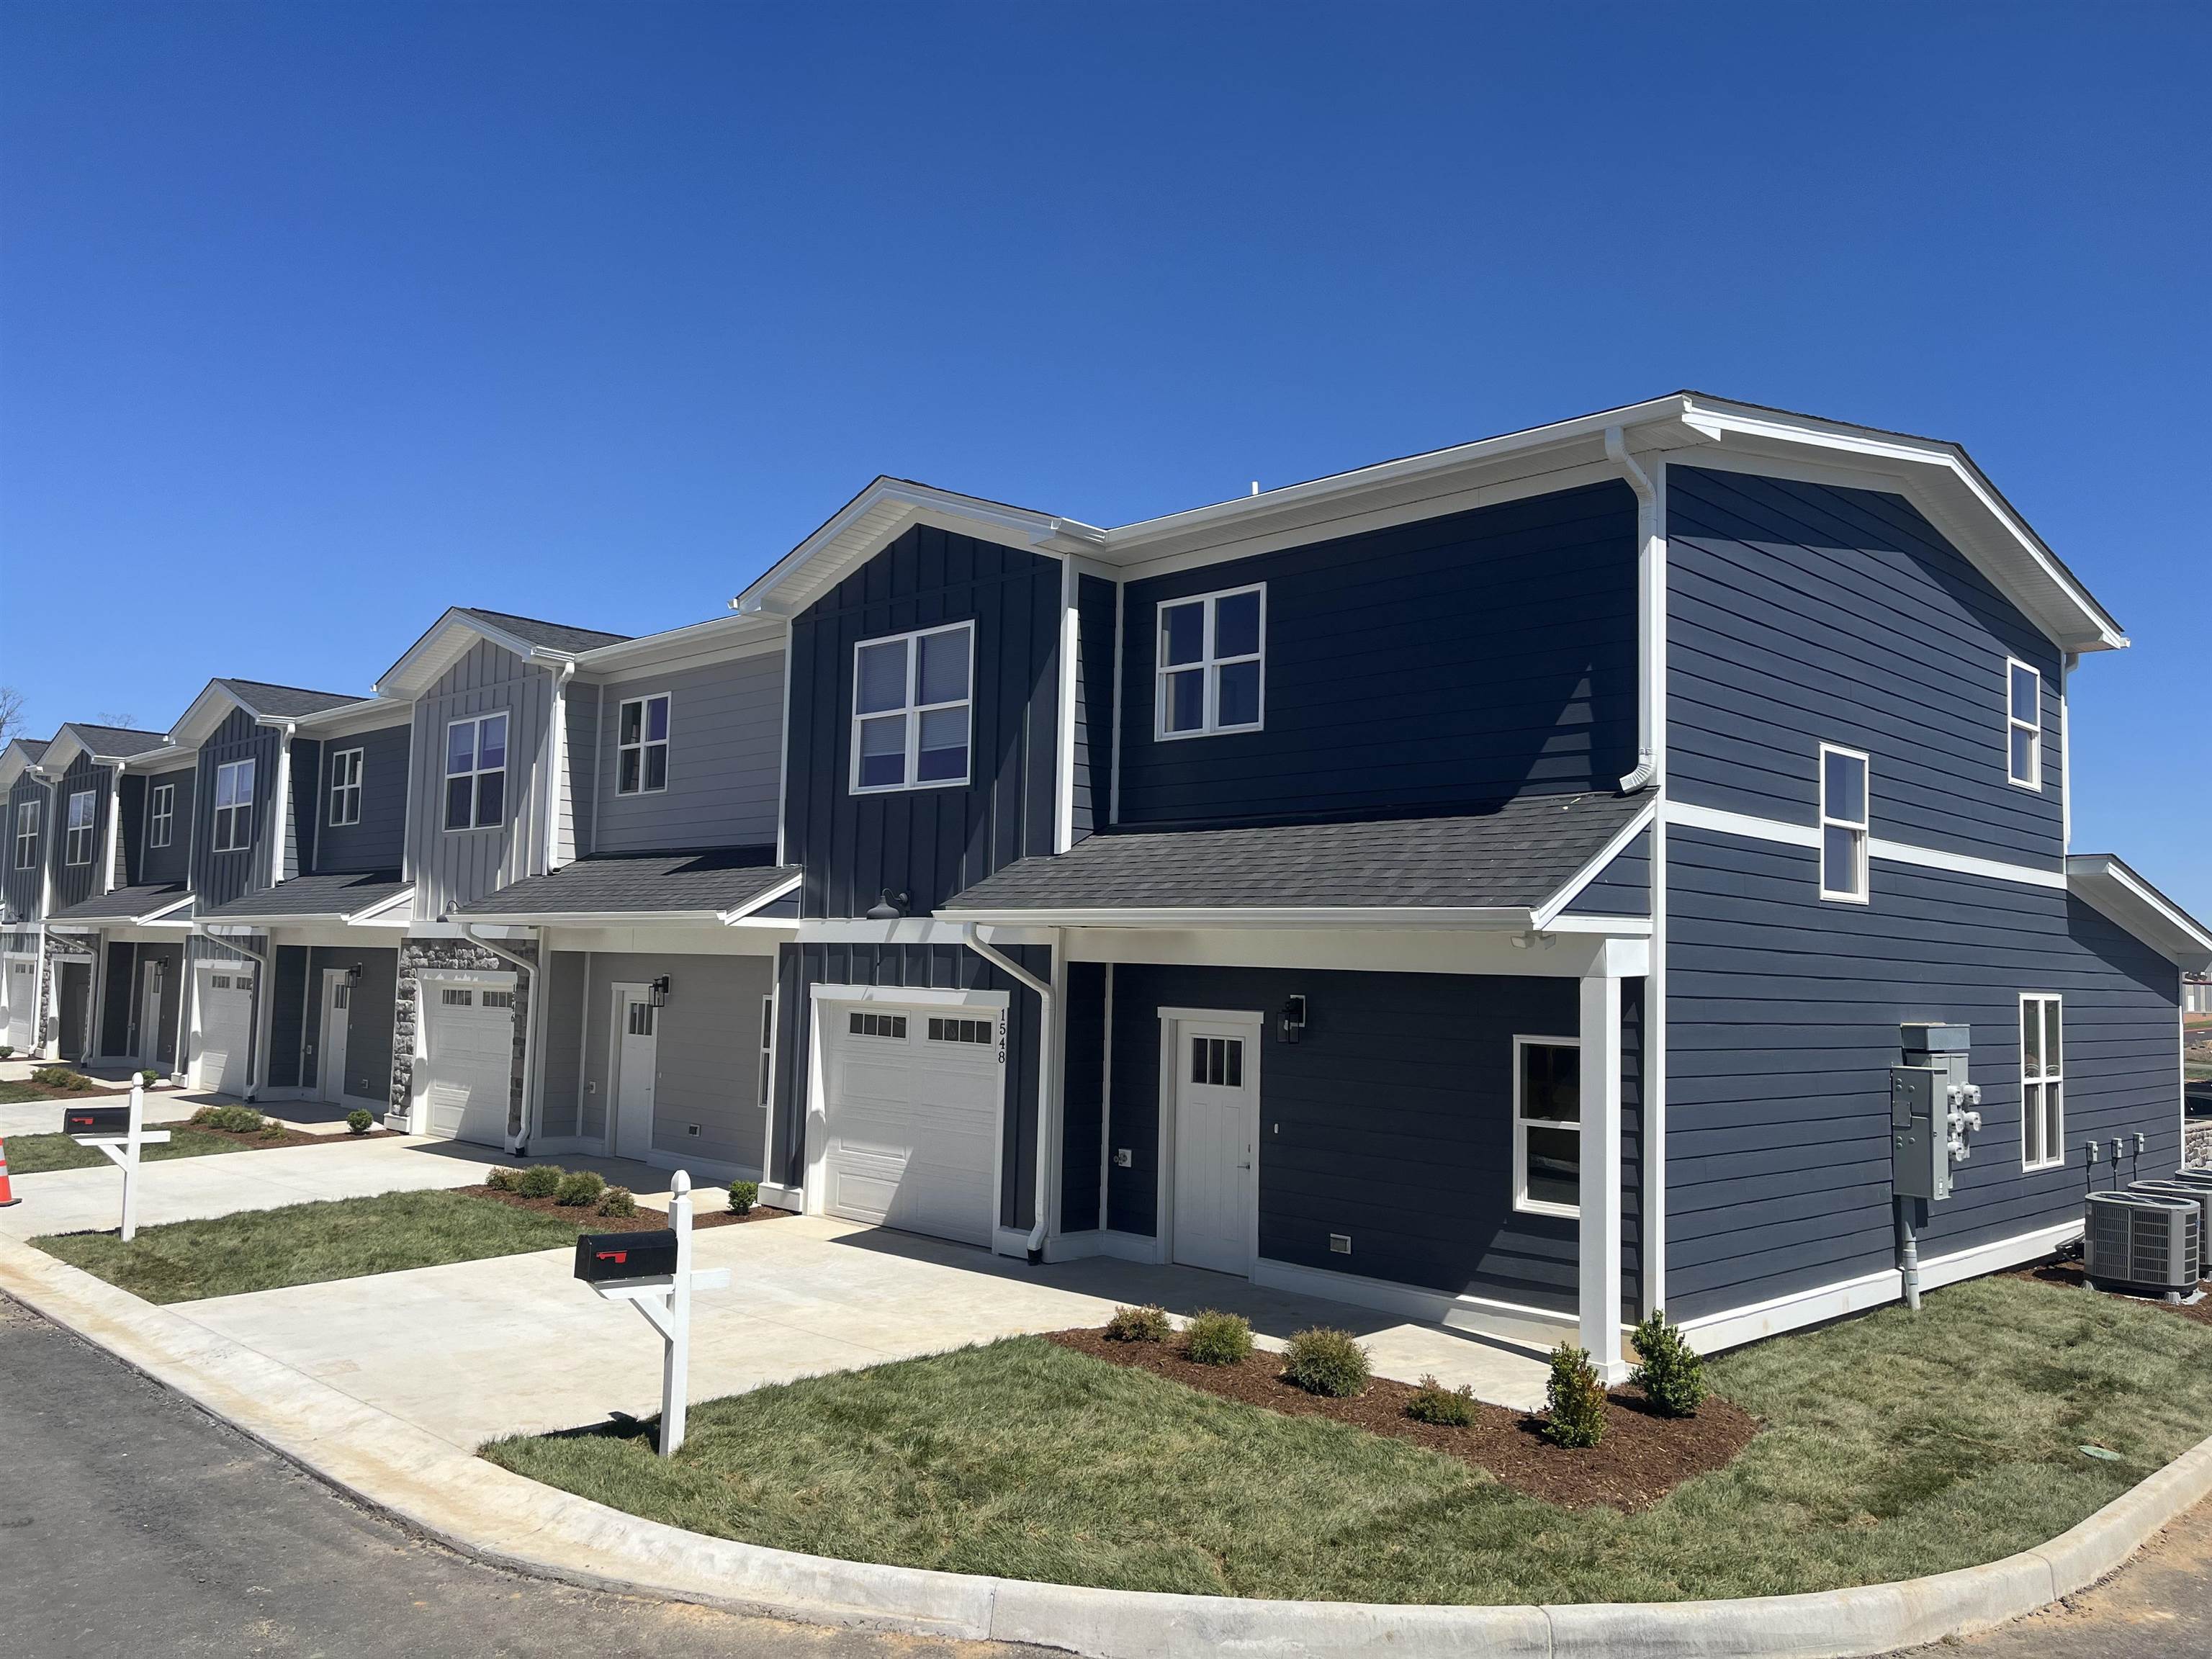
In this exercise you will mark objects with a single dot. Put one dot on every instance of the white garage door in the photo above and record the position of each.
(225, 1017)
(21, 991)
(912, 1117)
(468, 1039)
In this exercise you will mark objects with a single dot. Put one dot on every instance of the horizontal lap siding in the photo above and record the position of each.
(706, 1055)
(561, 1114)
(1623, 887)
(370, 1010)
(1468, 658)
(457, 867)
(219, 877)
(1799, 614)
(174, 861)
(1083, 1104)
(379, 841)
(1782, 1017)
(580, 715)
(76, 883)
(725, 752)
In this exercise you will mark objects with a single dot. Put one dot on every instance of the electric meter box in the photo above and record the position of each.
(1919, 1137)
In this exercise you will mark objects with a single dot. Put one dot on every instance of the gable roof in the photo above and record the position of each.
(105, 743)
(259, 698)
(546, 635)
(2105, 882)
(21, 755)
(443, 642)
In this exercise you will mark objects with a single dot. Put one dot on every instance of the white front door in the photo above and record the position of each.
(637, 1052)
(910, 1117)
(337, 1021)
(149, 1017)
(224, 1012)
(22, 1001)
(468, 1061)
(1215, 1124)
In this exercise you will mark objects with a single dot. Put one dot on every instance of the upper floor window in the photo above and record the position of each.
(77, 846)
(26, 834)
(476, 773)
(345, 787)
(2042, 1084)
(910, 709)
(1547, 1125)
(1212, 667)
(161, 815)
(233, 806)
(1843, 824)
(641, 745)
(2023, 724)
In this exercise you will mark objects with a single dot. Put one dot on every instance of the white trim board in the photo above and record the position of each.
(1721, 821)
(1619, 844)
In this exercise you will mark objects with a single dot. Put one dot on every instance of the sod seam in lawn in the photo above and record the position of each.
(1895, 1446)
(311, 1243)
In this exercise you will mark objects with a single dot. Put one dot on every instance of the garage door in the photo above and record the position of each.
(21, 990)
(468, 1040)
(912, 1118)
(226, 1024)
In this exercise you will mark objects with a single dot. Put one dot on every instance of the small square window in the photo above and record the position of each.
(912, 709)
(641, 746)
(1212, 674)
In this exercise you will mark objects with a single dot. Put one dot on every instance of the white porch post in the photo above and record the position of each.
(1599, 1245)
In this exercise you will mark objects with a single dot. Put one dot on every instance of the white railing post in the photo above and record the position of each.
(1598, 1241)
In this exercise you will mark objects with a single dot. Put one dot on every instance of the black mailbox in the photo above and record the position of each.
(96, 1120)
(602, 1257)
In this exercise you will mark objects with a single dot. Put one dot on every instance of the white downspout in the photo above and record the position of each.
(556, 783)
(1046, 1067)
(1648, 570)
(516, 1142)
(264, 1004)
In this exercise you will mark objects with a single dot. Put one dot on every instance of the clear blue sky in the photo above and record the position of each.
(314, 318)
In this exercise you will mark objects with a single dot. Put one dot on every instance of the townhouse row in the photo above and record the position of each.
(1489, 885)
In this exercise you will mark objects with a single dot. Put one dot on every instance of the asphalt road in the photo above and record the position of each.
(131, 1524)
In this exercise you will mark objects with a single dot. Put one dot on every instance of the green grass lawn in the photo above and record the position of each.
(23, 1094)
(36, 1154)
(1895, 1446)
(308, 1243)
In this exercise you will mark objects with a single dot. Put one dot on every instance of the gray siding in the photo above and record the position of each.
(453, 867)
(26, 888)
(305, 814)
(174, 861)
(379, 841)
(170, 959)
(725, 752)
(578, 809)
(1799, 614)
(929, 843)
(1464, 658)
(76, 883)
(1781, 1026)
(219, 877)
(563, 1112)
(369, 1019)
(1097, 648)
(1623, 887)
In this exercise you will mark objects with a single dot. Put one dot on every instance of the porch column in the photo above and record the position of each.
(1599, 1244)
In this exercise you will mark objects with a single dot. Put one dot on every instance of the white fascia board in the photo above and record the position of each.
(2102, 881)
(209, 710)
(349, 719)
(1503, 918)
(780, 889)
(440, 646)
(712, 640)
(1612, 849)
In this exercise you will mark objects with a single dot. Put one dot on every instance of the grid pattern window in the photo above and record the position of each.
(766, 1050)
(220, 982)
(641, 746)
(911, 709)
(26, 834)
(1843, 824)
(2023, 724)
(345, 787)
(2042, 1084)
(160, 814)
(76, 843)
(961, 1030)
(1212, 664)
(476, 773)
(877, 1026)
(233, 806)
(1548, 1125)
(499, 1000)
(1218, 1060)
(453, 996)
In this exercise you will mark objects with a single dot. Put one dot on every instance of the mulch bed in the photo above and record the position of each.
(1641, 1458)
(258, 1140)
(2069, 1275)
(645, 1220)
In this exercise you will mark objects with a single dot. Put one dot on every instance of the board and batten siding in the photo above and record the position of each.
(174, 861)
(1464, 658)
(1096, 602)
(220, 877)
(26, 888)
(1782, 1014)
(724, 758)
(580, 751)
(456, 866)
(379, 841)
(1799, 614)
(929, 843)
(76, 883)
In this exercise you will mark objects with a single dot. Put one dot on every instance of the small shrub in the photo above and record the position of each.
(1213, 1338)
(1574, 1398)
(60, 1077)
(1450, 1409)
(540, 1181)
(1671, 1374)
(273, 1130)
(503, 1180)
(1145, 1324)
(580, 1187)
(231, 1120)
(360, 1121)
(618, 1202)
(7, 1051)
(149, 1077)
(1327, 1362)
(743, 1194)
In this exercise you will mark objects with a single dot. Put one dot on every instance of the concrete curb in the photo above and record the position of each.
(447, 1493)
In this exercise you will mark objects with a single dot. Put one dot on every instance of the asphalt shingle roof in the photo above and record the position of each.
(118, 740)
(555, 636)
(711, 882)
(36, 747)
(286, 701)
(1512, 856)
(346, 893)
(126, 903)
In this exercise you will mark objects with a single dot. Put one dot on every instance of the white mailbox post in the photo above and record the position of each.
(664, 1299)
(122, 1149)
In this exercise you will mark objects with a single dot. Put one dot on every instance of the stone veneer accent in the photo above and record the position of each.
(2196, 1144)
(406, 1013)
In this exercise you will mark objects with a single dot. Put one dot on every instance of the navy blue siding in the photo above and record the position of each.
(1096, 601)
(115, 998)
(287, 1016)
(130, 792)
(1459, 660)
(1623, 887)
(1391, 1121)
(76, 883)
(1799, 614)
(377, 842)
(929, 843)
(1083, 1098)
(174, 861)
(219, 877)
(1781, 1026)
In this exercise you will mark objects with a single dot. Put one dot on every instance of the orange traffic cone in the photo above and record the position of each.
(7, 1196)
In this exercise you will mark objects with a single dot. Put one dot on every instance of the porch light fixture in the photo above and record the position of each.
(659, 991)
(889, 906)
(1293, 1021)
(353, 976)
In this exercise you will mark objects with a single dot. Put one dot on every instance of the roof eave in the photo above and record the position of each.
(2104, 882)
(1492, 918)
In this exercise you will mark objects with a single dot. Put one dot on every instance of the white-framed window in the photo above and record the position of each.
(877, 1026)
(453, 996)
(911, 709)
(2042, 1083)
(76, 843)
(1212, 664)
(1843, 824)
(160, 814)
(1547, 1125)
(499, 1000)
(233, 806)
(26, 834)
(345, 787)
(961, 1030)
(767, 1049)
(476, 773)
(2023, 724)
(641, 745)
